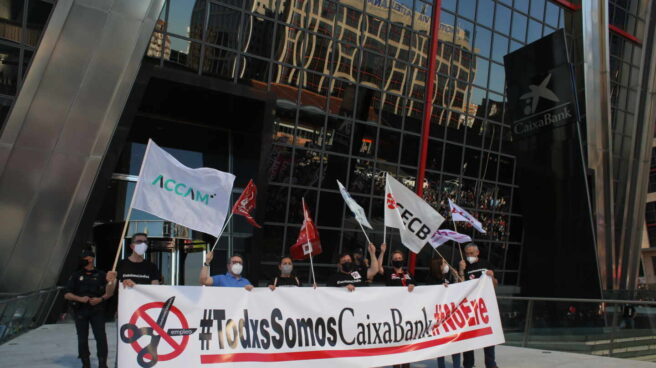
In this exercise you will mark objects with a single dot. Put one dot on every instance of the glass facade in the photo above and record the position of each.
(350, 77)
(21, 25)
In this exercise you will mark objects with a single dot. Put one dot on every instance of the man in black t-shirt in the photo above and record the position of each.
(472, 269)
(347, 276)
(135, 269)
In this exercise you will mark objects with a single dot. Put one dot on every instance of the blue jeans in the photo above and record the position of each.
(468, 358)
(455, 358)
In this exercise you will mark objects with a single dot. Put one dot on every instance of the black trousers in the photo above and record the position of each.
(490, 362)
(95, 317)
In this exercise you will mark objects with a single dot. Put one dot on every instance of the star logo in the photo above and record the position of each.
(540, 91)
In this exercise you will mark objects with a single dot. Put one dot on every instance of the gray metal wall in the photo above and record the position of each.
(55, 138)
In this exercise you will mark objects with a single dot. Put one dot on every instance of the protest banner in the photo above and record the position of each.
(190, 326)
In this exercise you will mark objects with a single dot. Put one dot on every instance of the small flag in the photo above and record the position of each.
(246, 203)
(458, 214)
(406, 211)
(308, 243)
(357, 210)
(442, 236)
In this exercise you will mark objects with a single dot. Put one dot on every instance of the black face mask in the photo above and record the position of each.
(347, 266)
(397, 264)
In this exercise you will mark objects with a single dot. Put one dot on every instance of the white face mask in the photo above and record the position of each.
(445, 269)
(140, 248)
(286, 269)
(472, 259)
(237, 268)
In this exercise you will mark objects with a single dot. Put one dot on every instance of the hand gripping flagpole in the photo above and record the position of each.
(310, 247)
(447, 263)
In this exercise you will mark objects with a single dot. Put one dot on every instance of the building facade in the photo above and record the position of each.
(297, 94)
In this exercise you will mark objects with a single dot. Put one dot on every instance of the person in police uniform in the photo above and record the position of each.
(88, 289)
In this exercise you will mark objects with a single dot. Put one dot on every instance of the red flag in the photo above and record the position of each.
(308, 242)
(246, 203)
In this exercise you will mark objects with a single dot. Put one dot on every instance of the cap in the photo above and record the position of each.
(87, 253)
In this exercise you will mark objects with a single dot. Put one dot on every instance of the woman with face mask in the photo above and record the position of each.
(440, 274)
(397, 276)
(347, 274)
(285, 276)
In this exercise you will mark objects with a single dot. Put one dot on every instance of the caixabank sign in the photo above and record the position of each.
(539, 86)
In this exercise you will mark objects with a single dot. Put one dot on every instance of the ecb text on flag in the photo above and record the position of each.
(298, 327)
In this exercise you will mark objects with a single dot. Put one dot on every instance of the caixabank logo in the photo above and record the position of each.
(540, 87)
(150, 338)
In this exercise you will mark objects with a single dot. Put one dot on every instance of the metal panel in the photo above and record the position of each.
(598, 125)
(56, 136)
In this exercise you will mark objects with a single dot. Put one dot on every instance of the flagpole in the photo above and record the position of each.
(447, 263)
(307, 235)
(120, 240)
(365, 233)
(221, 233)
(456, 230)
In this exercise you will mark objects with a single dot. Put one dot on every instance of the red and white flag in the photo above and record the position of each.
(442, 236)
(246, 203)
(308, 243)
(458, 214)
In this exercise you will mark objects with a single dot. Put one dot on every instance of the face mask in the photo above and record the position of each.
(445, 269)
(286, 269)
(140, 248)
(237, 268)
(472, 259)
(347, 266)
(397, 264)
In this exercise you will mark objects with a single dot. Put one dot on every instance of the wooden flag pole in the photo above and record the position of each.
(221, 232)
(307, 235)
(121, 239)
(458, 244)
(450, 267)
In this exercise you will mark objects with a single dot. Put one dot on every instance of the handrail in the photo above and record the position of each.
(15, 296)
(576, 300)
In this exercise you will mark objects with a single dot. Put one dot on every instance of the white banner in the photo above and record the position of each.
(406, 211)
(195, 198)
(193, 326)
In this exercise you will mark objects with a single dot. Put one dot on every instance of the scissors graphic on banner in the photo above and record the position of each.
(147, 356)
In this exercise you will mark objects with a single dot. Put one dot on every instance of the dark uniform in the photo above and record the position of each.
(92, 284)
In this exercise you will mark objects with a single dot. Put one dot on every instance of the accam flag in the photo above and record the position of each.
(357, 210)
(195, 198)
(308, 243)
(458, 214)
(442, 236)
(246, 203)
(406, 211)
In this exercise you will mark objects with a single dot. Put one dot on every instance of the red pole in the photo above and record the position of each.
(428, 109)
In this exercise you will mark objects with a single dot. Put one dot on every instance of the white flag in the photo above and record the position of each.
(357, 210)
(442, 236)
(406, 211)
(195, 198)
(458, 214)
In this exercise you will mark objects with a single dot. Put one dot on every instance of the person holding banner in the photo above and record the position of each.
(347, 276)
(135, 269)
(472, 269)
(439, 275)
(232, 278)
(398, 277)
(285, 276)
